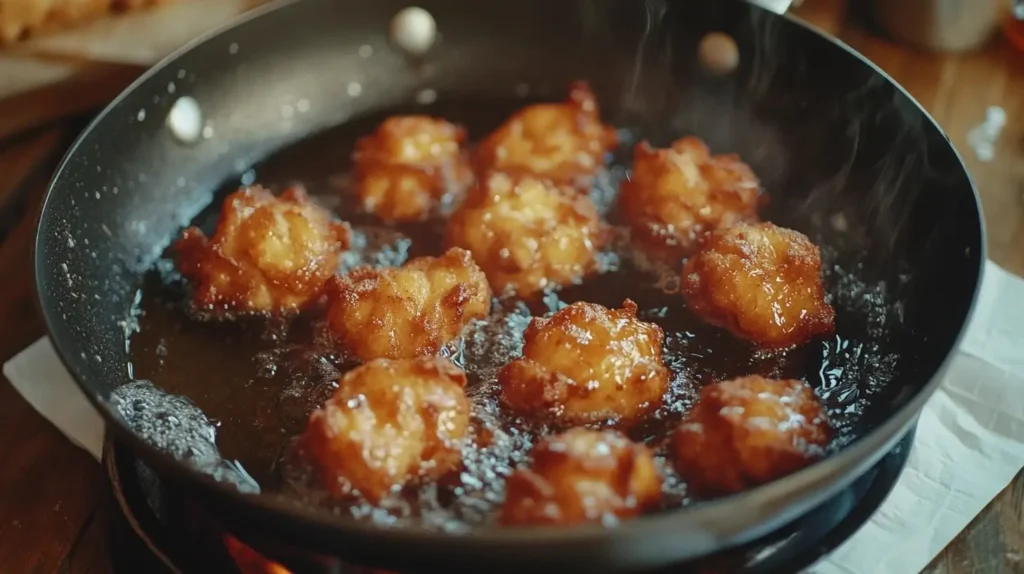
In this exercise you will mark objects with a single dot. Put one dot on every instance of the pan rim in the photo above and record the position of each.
(699, 529)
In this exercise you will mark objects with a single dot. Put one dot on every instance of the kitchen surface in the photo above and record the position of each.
(55, 504)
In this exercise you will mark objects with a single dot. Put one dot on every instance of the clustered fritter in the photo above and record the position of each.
(678, 194)
(582, 475)
(565, 142)
(749, 431)
(269, 254)
(408, 311)
(587, 364)
(528, 233)
(762, 282)
(405, 169)
(389, 422)
(527, 224)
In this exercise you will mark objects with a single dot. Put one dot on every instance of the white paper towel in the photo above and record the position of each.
(969, 443)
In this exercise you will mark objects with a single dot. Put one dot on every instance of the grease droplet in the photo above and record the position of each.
(185, 119)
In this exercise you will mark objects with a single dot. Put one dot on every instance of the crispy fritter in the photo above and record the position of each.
(749, 431)
(268, 254)
(409, 311)
(676, 195)
(390, 422)
(409, 165)
(564, 142)
(762, 282)
(587, 364)
(527, 233)
(582, 476)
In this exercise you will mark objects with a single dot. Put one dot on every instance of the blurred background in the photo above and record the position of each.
(61, 61)
(963, 60)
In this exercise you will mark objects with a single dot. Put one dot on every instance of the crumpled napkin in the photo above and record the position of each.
(969, 443)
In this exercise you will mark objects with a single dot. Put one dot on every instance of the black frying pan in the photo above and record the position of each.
(846, 155)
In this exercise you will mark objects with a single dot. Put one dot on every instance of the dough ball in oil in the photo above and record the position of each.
(409, 311)
(405, 169)
(582, 476)
(527, 233)
(587, 364)
(268, 255)
(564, 142)
(389, 423)
(749, 431)
(762, 282)
(676, 195)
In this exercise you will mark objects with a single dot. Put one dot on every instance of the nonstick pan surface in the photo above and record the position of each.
(844, 153)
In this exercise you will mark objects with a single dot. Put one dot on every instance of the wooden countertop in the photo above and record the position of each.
(52, 505)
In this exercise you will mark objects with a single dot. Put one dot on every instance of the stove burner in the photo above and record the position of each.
(156, 529)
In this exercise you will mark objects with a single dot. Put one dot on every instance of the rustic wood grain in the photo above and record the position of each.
(49, 487)
(51, 514)
(23, 157)
(94, 85)
(22, 195)
(90, 554)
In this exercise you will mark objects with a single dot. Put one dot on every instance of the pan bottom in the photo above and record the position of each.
(152, 524)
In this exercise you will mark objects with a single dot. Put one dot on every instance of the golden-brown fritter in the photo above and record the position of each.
(408, 311)
(587, 364)
(762, 282)
(676, 195)
(390, 422)
(582, 476)
(527, 233)
(268, 254)
(749, 431)
(564, 142)
(409, 165)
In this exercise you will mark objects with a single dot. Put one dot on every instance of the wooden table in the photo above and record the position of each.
(52, 501)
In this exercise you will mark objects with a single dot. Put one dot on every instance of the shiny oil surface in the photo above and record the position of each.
(256, 380)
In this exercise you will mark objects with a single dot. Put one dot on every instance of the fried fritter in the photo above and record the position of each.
(268, 255)
(676, 195)
(762, 282)
(527, 233)
(563, 142)
(582, 476)
(749, 431)
(409, 165)
(587, 364)
(390, 422)
(409, 311)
